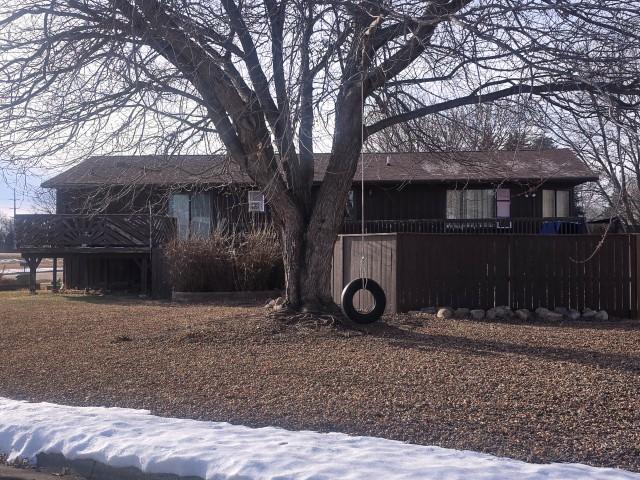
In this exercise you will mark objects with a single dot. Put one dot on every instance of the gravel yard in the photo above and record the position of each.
(533, 392)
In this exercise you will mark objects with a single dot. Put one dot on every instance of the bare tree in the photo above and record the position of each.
(6, 233)
(609, 143)
(44, 200)
(483, 127)
(268, 81)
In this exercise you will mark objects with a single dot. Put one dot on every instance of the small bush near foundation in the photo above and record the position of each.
(226, 263)
(258, 261)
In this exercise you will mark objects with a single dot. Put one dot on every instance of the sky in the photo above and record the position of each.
(24, 186)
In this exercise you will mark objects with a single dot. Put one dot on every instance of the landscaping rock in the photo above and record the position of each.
(501, 312)
(547, 315)
(602, 316)
(445, 312)
(461, 313)
(588, 314)
(561, 310)
(553, 317)
(431, 310)
(477, 314)
(541, 311)
(523, 314)
(504, 312)
(573, 315)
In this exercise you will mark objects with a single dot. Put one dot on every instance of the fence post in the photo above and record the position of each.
(338, 269)
(634, 270)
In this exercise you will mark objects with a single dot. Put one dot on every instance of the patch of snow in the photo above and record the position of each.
(10, 271)
(9, 260)
(134, 438)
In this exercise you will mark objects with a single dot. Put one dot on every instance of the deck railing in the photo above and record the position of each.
(564, 225)
(71, 231)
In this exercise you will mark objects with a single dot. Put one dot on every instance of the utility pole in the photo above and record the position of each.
(15, 240)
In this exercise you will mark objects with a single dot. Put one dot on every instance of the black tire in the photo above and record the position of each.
(379, 300)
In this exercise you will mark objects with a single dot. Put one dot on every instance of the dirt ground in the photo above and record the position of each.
(535, 392)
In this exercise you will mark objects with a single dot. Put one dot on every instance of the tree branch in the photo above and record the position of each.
(548, 88)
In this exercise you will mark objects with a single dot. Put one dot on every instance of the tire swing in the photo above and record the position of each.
(379, 300)
(363, 283)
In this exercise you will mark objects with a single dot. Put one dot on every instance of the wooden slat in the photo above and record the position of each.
(62, 231)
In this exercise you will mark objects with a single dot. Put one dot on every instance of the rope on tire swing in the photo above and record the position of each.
(363, 282)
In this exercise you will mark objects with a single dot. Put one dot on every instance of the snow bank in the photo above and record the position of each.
(134, 438)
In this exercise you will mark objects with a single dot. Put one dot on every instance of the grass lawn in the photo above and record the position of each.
(534, 392)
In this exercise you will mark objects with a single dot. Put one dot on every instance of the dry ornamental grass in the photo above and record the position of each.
(535, 392)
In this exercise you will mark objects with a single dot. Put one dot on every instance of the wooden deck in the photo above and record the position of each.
(63, 234)
(87, 241)
(474, 226)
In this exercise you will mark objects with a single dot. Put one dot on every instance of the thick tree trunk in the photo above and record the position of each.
(308, 246)
(307, 266)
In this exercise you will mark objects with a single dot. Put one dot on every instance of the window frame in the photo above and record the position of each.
(189, 231)
(556, 194)
(461, 201)
(261, 202)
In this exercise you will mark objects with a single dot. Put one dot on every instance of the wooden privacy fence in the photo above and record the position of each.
(522, 271)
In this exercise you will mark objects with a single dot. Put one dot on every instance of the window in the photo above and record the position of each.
(200, 215)
(256, 201)
(470, 204)
(503, 203)
(179, 209)
(351, 206)
(562, 203)
(192, 213)
(555, 203)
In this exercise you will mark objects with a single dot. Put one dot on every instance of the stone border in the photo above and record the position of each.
(222, 297)
(504, 312)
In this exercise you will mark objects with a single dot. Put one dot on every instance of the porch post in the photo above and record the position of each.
(33, 263)
(54, 283)
(144, 275)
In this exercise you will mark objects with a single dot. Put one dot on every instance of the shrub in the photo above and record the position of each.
(258, 261)
(225, 262)
(200, 265)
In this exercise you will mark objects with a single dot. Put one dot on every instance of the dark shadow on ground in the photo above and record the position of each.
(135, 299)
(402, 338)
(122, 299)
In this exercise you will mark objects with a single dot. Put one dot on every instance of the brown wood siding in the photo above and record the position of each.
(110, 272)
(383, 201)
(114, 200)
(429, 201)
(228, 204)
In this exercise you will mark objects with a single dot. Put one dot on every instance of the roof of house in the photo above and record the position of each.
(557, 164)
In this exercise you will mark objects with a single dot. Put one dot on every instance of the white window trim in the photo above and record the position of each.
(255, 199)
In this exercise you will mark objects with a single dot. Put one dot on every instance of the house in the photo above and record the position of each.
(114, 211)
